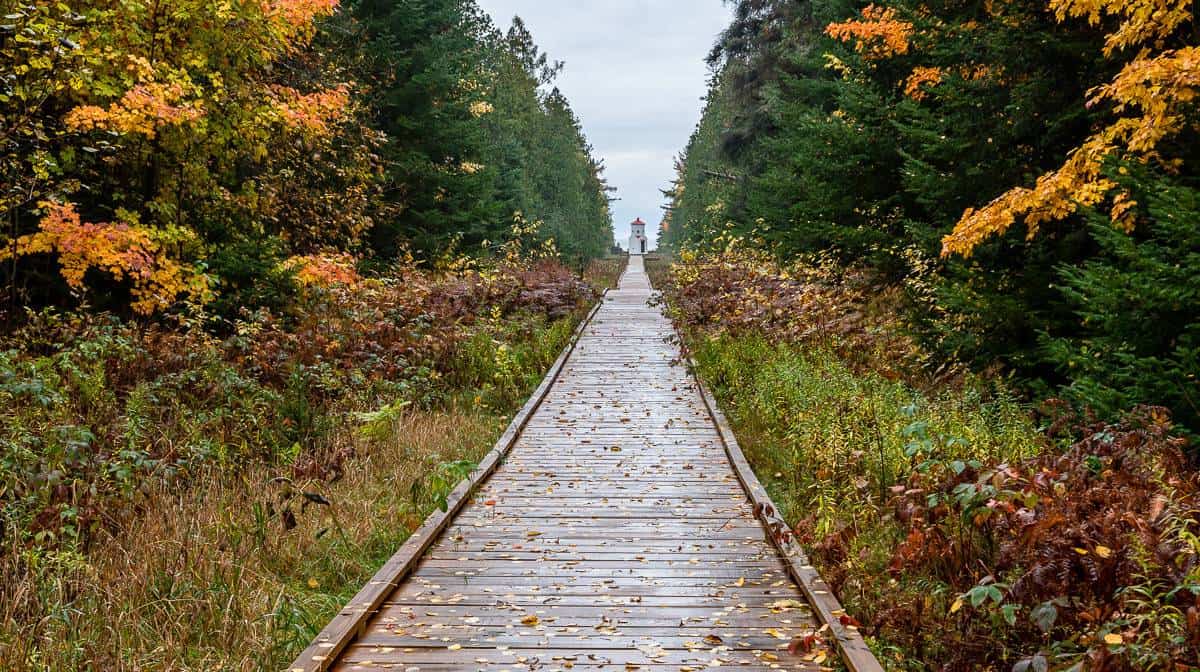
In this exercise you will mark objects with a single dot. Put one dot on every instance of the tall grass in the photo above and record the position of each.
(210, 578)
(836, 435)
(830, 442)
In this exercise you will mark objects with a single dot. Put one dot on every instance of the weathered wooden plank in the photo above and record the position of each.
(351, 621)
(615, 533)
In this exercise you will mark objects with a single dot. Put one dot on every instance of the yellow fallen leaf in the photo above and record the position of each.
(530, 620)
(788, 604)
(740, 582)
(1103, 551)
(454, 647)
(770, 656)
(1113, 639)
(313, 583)
(775, 633)
(958, 604)
(1081, 551)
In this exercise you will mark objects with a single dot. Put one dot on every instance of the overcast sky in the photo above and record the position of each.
(635, 76)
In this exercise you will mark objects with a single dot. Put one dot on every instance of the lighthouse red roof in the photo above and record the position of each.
(639, 221)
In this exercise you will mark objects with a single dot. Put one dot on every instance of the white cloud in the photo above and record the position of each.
(635, 75)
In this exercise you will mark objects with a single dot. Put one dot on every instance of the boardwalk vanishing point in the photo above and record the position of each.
(615, 526)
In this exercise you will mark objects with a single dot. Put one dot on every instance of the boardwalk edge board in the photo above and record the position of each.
(348, 625)
(854, 651)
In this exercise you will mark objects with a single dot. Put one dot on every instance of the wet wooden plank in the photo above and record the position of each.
(616, 533)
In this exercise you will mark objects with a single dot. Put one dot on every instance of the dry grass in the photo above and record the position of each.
(208, 578)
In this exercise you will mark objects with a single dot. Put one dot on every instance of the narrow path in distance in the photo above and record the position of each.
(615, 535)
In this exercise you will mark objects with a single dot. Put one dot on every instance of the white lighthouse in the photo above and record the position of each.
(637, 237)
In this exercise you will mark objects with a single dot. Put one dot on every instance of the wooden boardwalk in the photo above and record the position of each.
(614, 532)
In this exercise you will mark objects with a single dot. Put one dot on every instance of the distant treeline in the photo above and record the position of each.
(170, 153)
(1027, 168)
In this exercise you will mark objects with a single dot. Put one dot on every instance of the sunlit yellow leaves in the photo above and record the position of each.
(124, 251)
(878, 35)
(142, 110)
(479, 108)
(1141, 20)
(1152, 97)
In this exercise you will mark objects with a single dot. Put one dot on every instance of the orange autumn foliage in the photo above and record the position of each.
(1152, 98)
(299, 13)
(878, 35)
(921, 77)
(143, 109)
(916, 84)
(324, 270)
(123, 251)
(313, 112)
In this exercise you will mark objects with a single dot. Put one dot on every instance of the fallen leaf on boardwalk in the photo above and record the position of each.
(713, 639)
(652, 650)
(740, 582)
(775, 633)
(533, 533)
(803, 644)
(454, 647)
(530, 620)
(788, 604)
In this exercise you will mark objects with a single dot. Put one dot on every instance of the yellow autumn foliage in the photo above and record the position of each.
(123, 251)
(1151, 98)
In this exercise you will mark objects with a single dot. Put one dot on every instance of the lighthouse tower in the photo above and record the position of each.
(637, 237)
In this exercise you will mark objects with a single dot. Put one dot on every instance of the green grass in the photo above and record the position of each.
(829, 443)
